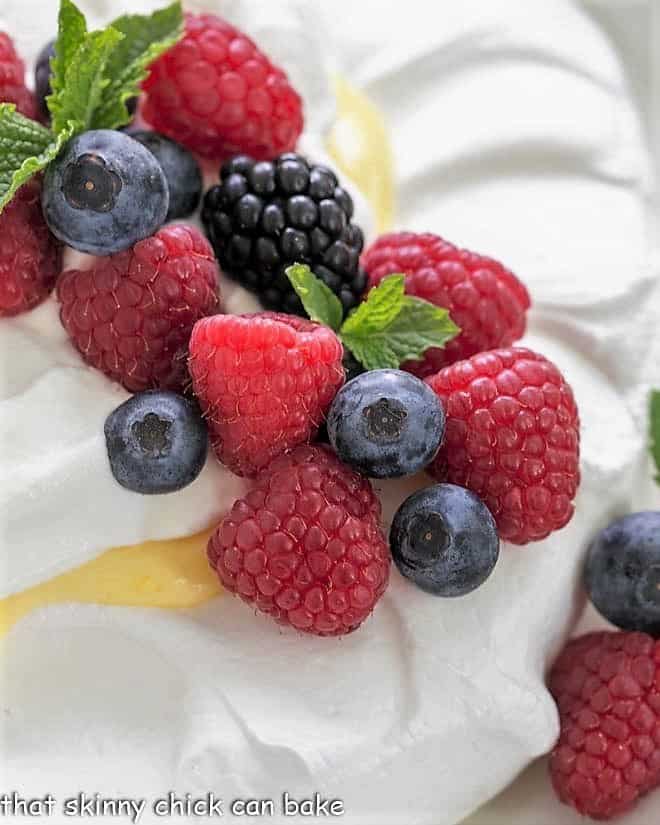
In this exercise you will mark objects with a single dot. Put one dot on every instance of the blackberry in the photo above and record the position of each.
(263, 216)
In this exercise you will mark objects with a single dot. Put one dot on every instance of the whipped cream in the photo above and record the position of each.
(515, 135)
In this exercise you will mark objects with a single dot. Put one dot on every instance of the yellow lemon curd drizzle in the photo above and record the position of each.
(175, 573)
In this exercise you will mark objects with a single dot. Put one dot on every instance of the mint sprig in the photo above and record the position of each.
(144, 39)
(655, 431)
(386, 329)
(84, 84)
(71, 33)
(26, 147)
(318, 300)
(93, 75)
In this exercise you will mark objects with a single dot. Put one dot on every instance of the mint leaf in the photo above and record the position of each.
(419, 326)
(389, 327)
(655, 430)
(319, 301)
(389, 338)
(72, 30)
(26, 147)
(145, 37)
(85, 82)
(381, 307)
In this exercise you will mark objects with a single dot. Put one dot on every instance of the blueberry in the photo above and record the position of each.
(444, 539)
(157, 442)
(622, 573)
(386, 424)
(42, 77)
(104, 193)
(184, 177)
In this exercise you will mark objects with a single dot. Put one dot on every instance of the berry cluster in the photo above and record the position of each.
(495, 425)
(607, 684)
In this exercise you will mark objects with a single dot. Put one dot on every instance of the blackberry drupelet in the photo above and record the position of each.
(264, 216)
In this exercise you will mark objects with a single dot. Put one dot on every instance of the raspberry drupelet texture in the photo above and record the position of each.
(305, 546)
(265, 383)
(12, 79)
(607, 688)
(30, 256)
(484, 298)
(219, 95)
(263, 217)
(512, 437)
(132, 313)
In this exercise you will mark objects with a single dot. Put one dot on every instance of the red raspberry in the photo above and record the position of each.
(265, 382)
(607, 688)
(30, 256)
(512, 437)
(305, 545)
(12, 79)
(219, 95)
(131, 314)
(486, 300)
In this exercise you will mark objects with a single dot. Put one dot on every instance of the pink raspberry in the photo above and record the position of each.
(265, 383)
(12, 79)
(132, 313)
(512, 437)
(30, 257)
(484, 298)
(304, 546)
(219, 95)
(607, 689)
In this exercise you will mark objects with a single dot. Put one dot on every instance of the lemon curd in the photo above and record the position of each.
(175, 573)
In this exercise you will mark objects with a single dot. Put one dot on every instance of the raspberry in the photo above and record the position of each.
(12, 79)
(304, 546)
(218, 94)
(484, 298)
(607, 688)
(131, 314)
(265, 382)
(512, 437)
(30, 256)
(263, 217)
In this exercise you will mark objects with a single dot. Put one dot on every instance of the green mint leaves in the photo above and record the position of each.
(26, 147)
(319, 301)
(71, 34)
(655, 430)
(93, 75)
(145, 38)
(389, 327)
(84, 83)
